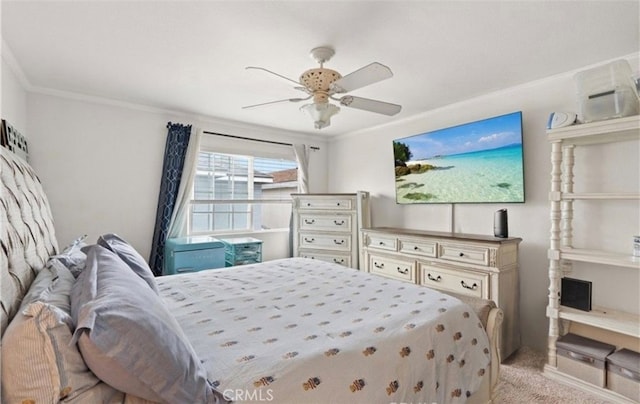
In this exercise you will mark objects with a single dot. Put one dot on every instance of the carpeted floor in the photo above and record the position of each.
(522, 381)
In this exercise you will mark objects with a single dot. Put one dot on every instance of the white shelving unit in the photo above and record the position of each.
(562, 253)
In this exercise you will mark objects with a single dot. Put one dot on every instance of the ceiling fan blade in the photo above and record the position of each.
(364, 76)
(367, 104)
(274, 73)
(277, 101)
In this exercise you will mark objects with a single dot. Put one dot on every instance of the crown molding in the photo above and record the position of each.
(9, 58)
(633, 58)
(204, 120)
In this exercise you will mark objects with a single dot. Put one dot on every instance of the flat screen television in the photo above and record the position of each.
(476, 162)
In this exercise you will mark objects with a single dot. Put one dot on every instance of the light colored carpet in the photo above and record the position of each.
(522, 381)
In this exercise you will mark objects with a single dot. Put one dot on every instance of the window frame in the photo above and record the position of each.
(280, 152)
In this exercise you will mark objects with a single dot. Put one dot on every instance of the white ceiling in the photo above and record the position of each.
(190, 56)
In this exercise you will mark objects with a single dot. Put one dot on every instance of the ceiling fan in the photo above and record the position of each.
(322, 85)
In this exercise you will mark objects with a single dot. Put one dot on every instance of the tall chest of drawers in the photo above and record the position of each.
(327, 226)
(473, 265)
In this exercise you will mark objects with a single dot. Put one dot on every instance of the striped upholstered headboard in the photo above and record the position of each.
(27, 235)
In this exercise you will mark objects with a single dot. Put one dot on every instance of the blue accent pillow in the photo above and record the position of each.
(128, 337)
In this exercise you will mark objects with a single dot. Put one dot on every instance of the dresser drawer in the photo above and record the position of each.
(392, 268)
(196, 260)
(337, 203)
(417, 247)
(464, 253)
(455, 280)
(334, 258)
(339, 223)
(335, 242)
(246, 248)
(244, 255)
(381, 242)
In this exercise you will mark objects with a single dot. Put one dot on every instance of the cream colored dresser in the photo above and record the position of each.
(327, 226)
(468, 264)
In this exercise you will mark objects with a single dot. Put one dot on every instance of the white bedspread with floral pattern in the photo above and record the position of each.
(305, 331)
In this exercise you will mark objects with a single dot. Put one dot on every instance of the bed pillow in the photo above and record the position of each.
(129, 255)
(72, 257)
(52, 285)
(128, 337)
(38, 361)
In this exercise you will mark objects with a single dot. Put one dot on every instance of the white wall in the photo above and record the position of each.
(364, 161)
(14, 100)
(100, 164)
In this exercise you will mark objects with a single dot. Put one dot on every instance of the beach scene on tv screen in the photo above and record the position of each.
(477, 162)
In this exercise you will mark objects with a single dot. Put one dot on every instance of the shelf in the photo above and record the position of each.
(553, 373)
(600, 257)
(601, 317)
(599, 196)
(613, 130)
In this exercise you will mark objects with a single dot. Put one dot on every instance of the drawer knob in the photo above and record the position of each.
(338, 261)
(338, 204)
(309, 240)
(308, 203)
(338, 242)
(379, 266)
(307, 221)
(381, 243)
(436, 279)
(403, 271)
(472, 287)
(338, 223)
(416, 248)
(461, 254)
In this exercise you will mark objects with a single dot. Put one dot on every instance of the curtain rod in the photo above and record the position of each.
(255, 140)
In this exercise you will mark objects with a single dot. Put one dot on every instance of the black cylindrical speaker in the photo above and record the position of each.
(500, 225)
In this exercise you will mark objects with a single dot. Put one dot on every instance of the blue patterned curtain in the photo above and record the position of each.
(174, 156)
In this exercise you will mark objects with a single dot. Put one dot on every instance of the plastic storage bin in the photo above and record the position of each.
(607, 92)
(623, 373)
(583, 358)
(191, 254)
(242, 251)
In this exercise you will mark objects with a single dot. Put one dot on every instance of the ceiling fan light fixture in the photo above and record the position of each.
(322, 84)
(321, 113)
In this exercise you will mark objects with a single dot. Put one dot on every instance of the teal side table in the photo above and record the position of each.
(242, 250)
(192, 254)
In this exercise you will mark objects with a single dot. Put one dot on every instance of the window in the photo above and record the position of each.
(241, 193)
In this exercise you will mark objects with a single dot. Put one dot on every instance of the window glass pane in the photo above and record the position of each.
(235, 177)
(200, 222)
(221, 221)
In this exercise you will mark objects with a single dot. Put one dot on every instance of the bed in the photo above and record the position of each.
(89, 323)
